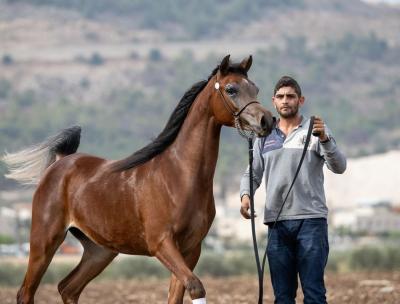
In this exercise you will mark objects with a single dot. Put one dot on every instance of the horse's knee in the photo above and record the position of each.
(195, 289)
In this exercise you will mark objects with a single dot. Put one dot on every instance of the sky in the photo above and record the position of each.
(383, 1)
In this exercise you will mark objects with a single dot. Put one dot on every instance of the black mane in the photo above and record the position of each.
(173, 126)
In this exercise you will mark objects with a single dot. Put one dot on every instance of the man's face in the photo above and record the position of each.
(286, 102)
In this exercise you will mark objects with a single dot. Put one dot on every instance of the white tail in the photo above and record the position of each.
(27, 166)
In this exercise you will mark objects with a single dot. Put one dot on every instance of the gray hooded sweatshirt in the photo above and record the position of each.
(276, 158)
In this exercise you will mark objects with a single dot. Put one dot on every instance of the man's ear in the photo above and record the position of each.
(302, 99)
(273, 102)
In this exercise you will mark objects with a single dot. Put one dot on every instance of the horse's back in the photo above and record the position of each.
(80, 163)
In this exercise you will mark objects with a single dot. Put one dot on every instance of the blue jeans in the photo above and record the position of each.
(298, 247)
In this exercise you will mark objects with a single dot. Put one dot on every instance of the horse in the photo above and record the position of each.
(156, 202)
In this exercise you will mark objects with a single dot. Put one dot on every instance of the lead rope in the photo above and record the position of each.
(261, 268)
(249, 136)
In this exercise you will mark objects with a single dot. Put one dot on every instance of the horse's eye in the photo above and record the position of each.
(231, 90)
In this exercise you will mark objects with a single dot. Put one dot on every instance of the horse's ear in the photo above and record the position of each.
(246, 63)
(224, 66)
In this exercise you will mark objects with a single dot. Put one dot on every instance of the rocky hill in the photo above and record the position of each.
(128, 63)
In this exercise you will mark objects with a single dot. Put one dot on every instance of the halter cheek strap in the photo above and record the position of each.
(227, 105)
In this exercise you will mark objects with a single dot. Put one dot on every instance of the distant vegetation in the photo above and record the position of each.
(352, 82)
(196, 19)
(213, 264)
(7, 60)
(344, 81)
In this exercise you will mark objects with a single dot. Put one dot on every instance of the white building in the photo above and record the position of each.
(372, 218)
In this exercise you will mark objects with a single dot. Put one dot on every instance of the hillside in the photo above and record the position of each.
(179, 20)
(92, 62)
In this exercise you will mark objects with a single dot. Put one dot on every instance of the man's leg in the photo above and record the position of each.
(282, 263)
(312, 252)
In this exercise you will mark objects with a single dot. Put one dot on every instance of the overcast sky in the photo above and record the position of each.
(383, 1)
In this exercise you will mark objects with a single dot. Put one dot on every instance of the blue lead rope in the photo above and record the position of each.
(261, 268)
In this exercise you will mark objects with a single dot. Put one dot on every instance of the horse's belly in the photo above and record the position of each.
(120, 239)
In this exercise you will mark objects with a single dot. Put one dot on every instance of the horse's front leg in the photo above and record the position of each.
(170, 256)
(176, 288)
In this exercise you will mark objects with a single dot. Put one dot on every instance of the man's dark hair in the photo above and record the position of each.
(287, 81)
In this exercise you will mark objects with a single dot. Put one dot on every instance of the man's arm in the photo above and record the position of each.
(258, 171)
(334, 158)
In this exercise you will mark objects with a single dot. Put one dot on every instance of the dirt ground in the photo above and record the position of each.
(353, 288)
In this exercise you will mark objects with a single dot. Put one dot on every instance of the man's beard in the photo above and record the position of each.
(289, 114)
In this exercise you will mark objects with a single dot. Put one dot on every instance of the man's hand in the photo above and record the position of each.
(319, 128)
(245, 208)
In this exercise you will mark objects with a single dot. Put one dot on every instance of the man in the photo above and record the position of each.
(298, 243)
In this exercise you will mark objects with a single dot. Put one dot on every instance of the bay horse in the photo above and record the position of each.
(157, 202)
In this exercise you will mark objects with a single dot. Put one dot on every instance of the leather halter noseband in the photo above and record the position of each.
(235, 114)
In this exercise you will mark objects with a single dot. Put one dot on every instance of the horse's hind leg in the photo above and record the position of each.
(176, 288)
(47, 234)
(95, 258)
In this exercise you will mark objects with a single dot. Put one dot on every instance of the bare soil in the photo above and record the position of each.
(355, 288)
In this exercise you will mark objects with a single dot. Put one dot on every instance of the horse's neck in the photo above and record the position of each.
(196, 146)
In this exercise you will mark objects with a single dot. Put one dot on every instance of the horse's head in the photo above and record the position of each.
(234, 99)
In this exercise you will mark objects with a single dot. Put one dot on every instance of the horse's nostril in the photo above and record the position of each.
(263, 123)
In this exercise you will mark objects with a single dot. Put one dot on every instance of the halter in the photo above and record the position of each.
(236, 114)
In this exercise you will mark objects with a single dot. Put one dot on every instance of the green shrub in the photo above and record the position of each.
(135, 267)
(5, 88)
(6, 239)
(56, 272)
(96, 59)
(155, 55)
(228, 264)
(7, 59)
(11, 275)
(375, 258)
